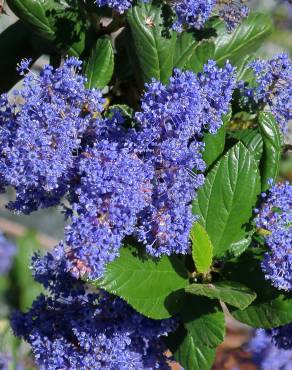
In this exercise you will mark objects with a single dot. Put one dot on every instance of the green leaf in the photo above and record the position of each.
(202, 53)
(238, 247)
(247, 37)
(193, 356)
(272, 140)
(185, 47)
(59, 22)
(191, 54)
(214, 143)
(271, 308)
(126, 64)
(243, 71)
(100, 66)
(204, 320)
(268, 314)
(154, 288)
(230, 292)
(190, 354)
(194, 343)
(223, 202)
(252, 139)
(34, 13)
(16, 41)
(154, 41)
(202, 248)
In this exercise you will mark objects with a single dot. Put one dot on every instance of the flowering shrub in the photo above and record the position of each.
(161, 145)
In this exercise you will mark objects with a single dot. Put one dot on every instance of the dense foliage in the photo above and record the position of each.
(159, 135)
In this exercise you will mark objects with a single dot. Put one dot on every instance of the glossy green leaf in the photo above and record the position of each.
(230, 292)
(202, 248)
(252, 139)
(190, 354)
(16, 41)
(272, 307)
(59, 22)
(247, 37)
(191, 54)
(34, 13)
(126, 64)
(243, 71)
(154, 288)
(154, 41)
(223, 202)
(100, 66)
(202, 53)
(272, 140)
(185, 47)
(214, 143)
(268, 314)
(204, 320)
(238, 247)
(193, 356)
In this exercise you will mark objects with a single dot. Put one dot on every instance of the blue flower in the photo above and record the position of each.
(281, 336)
(233, 12)
(266, 354)
(118, 5)
(273, 87)
(114, 187)
(192, 13)
(275, 216)
(41, 133)
(172, 122)
(23, 67)
(117, 181)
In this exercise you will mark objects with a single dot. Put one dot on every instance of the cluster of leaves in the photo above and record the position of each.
(240, 158)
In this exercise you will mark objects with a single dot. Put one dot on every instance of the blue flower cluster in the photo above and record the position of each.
(41, 132)
(77, 329)
(115, 186)
(7, 251)
(119, 6)
(172, 121)
(192, 13)
(273, 87)
(57, 142)
(8, 128)
(233, 12)
(281, 336)
(275, 217)
(266, 354)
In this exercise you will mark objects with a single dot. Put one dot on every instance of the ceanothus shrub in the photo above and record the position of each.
(160, 144)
